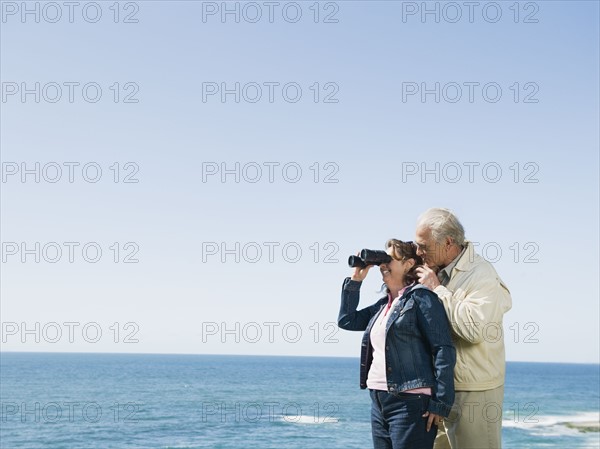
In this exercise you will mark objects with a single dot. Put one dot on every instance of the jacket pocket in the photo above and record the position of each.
(405, 320)
(425, 398)
(409, 305)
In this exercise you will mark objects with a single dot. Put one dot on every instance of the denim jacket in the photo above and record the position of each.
(418, 347)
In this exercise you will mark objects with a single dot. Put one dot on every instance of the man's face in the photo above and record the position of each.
(434, 254)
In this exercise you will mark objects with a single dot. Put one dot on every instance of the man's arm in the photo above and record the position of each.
(474, 305)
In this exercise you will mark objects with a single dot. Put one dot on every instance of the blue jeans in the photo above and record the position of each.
(397, 422)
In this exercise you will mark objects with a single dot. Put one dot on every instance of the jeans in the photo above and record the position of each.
(397, 421)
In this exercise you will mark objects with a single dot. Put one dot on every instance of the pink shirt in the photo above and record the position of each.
(377, 379)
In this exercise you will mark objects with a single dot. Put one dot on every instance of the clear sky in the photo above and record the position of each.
(350, 119)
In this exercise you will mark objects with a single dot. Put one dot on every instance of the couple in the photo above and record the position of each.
(428, 356)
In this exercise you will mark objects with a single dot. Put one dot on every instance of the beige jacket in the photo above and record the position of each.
(476, 300)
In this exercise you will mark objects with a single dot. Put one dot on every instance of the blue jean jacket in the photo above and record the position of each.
(418, 347)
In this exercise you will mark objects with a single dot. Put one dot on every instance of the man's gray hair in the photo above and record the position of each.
(442, 223)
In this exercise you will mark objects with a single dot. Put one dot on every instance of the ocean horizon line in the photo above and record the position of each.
(256, 355)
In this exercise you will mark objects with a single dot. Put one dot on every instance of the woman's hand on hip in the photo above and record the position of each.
(432, 418)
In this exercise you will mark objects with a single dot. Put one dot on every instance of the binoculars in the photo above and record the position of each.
(369, 257)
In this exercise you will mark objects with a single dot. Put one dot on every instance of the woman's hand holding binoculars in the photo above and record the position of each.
(360, 273)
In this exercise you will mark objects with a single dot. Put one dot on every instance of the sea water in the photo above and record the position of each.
(77, 401)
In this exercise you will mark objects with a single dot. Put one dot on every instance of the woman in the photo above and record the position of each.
(407, 357)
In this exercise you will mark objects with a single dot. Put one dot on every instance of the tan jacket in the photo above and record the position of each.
(476, 300)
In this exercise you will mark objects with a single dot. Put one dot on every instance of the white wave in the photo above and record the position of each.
(549, 420)
(306, 419)
(550, 425)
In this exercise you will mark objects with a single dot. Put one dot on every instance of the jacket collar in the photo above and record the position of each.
(400, 305)
(465, 263)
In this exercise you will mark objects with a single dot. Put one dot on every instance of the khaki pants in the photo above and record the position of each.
(475, 421)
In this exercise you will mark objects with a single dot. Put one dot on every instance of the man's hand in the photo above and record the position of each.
(427, 277)
(432, 418)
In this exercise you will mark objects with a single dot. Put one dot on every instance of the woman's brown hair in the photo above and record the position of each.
(403, 251)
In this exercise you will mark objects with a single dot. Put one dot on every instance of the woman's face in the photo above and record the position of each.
(393, 272)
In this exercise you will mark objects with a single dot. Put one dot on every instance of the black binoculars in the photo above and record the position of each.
(369, 257)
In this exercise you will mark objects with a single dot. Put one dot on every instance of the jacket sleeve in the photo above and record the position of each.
(434, 326)
(472, 309)
(349, 318)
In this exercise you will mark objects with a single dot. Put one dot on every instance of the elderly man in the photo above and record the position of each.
(475, 300)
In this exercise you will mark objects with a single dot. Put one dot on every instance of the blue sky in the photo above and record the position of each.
(540, 211)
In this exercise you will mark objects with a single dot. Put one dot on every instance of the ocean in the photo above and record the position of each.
(96, 401)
